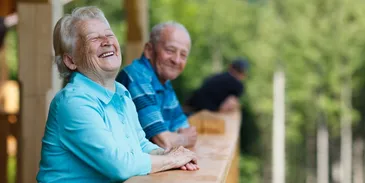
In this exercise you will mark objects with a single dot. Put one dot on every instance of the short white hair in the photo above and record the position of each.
(64, 34)
(157, 29)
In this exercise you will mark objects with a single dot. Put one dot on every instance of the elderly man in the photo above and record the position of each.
(92, 132)
(148, 80)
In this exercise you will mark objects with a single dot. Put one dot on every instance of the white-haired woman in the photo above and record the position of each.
(92, 132)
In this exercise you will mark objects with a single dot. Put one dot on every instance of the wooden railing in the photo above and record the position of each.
(217, 149)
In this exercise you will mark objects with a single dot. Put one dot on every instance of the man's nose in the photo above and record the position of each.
(176, 59)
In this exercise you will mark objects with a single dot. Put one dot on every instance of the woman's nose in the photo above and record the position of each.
(105, 41)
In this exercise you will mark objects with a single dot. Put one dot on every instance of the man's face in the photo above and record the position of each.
(97, 49)
(170, 54)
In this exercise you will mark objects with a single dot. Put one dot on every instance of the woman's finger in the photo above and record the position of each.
(183, 167)
(190, 166)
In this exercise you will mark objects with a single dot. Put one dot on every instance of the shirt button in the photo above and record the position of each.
(127, 135)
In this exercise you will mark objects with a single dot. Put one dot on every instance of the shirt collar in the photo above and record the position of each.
(94, 88)
(155, 81)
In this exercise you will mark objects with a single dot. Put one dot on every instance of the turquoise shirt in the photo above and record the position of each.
(93, 135)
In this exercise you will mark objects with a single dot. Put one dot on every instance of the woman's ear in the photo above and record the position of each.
(67, 59)
(148, 50)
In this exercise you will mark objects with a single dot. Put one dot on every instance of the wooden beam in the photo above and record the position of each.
(137, 28)
(234, 171)
(3, 66)
(36, 75)
(33, 1)
(3, 154)
(7, 7)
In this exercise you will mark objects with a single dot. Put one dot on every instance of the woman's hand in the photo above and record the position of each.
(183, 158)
(174, 158)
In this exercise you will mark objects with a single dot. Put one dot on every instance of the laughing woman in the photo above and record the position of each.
(92, 132)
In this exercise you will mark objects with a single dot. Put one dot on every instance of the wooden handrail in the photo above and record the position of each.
(217, 153)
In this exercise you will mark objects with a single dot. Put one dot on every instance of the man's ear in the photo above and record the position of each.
(148, 50)
(67, 59)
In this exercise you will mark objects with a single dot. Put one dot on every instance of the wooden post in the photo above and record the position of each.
(3, 66)
(137, 28)
(36, 75)
(7, 7)
(3, 154)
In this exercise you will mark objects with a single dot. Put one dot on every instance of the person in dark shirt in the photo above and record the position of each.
(2, 31)
(220, 92)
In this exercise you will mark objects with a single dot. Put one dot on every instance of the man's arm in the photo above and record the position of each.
(168, 140)
(151, 118)
(185, 137)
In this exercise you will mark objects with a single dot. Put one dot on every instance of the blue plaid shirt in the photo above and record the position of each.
(158, 107)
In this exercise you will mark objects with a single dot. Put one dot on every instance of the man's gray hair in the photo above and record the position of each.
(157, 29)
(64, 34)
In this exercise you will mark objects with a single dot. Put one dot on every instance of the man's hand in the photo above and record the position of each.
(229, 104)
(184, 137)
(190, 136)
(11, 20)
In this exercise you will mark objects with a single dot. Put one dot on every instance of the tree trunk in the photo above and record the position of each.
(359, 160)
(278, 142)
(322, 151)
(310, 157)
(346, 133)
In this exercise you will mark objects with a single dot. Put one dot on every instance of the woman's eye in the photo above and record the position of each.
(94, 39)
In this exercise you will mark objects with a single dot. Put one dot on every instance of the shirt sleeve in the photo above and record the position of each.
(179, 118)
(149, 113)
(84, 133)
(238, 89)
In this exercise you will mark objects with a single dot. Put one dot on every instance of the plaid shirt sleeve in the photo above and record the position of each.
(145, 99)
(173, 109)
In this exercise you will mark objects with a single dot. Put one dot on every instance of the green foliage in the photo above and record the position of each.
(113, 10)
(249, 169)
(11, 54)
(11, 169)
